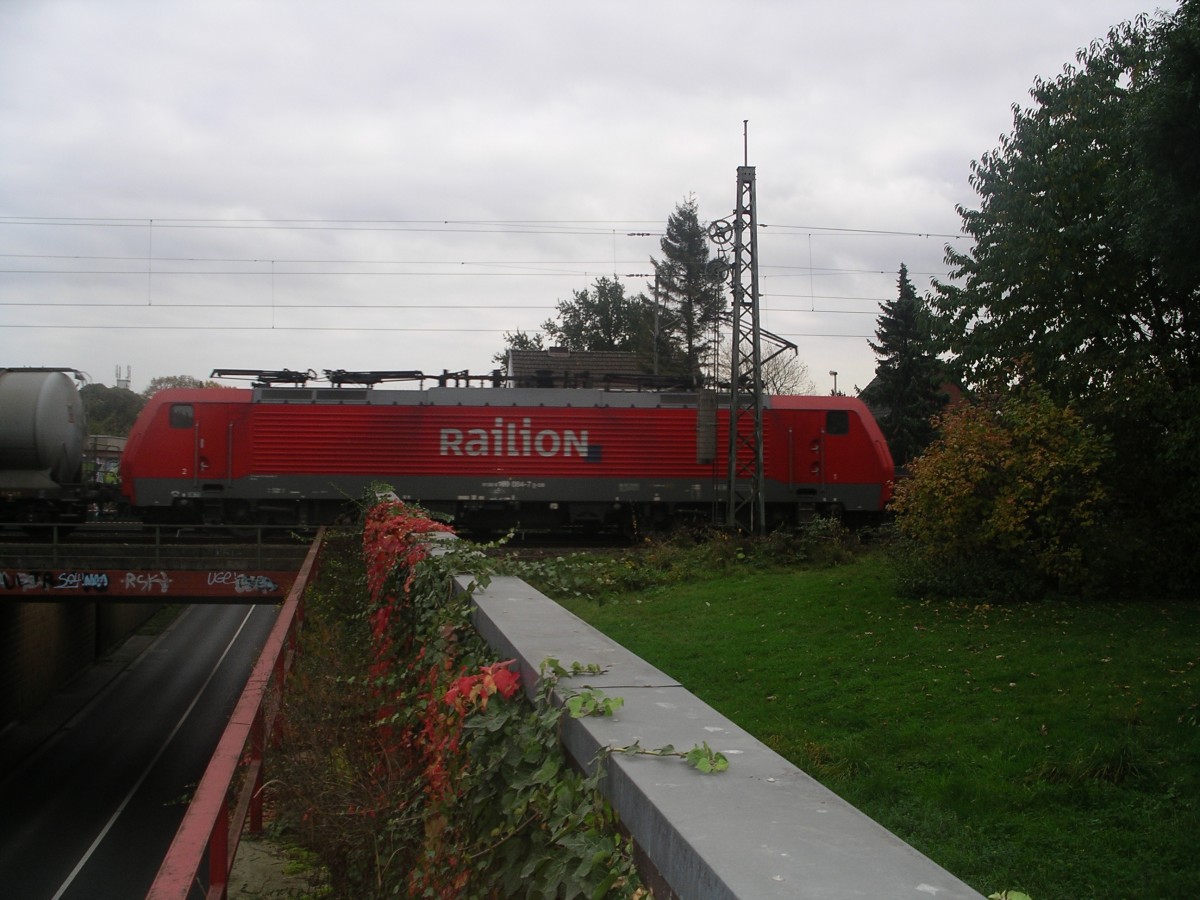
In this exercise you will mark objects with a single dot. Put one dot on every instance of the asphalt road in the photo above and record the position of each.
(90, 812)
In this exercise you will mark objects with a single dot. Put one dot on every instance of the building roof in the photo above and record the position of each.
(559, 367)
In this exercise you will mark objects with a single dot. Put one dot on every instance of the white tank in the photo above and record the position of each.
(42, 427)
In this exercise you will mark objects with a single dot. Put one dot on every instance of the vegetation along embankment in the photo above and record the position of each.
(413, 764)
(1048, 746)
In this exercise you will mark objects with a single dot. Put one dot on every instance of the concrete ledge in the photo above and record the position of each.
(762, 829)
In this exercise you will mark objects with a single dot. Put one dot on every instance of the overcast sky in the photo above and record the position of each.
(393, 185)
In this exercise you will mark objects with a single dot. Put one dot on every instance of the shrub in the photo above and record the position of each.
(1006, 501)
(414, 766)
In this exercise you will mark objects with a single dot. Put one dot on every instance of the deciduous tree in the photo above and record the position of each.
(1165, 128)
(162, 382)
(783, 373)
(1056, 276)
(602, 318)
(1083, 275)
(110, 410)
(517, 340)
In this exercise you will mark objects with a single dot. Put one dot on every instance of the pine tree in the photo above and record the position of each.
(690, 286)
(906, 391)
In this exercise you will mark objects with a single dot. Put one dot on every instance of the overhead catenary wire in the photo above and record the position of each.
(249, 305)
(356, 262)
(158, 270)
(564, 227)
(548, 268)
(602, 227)
(342, 328)
(799, 271)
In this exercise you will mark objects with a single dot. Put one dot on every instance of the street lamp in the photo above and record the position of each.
(834, 374)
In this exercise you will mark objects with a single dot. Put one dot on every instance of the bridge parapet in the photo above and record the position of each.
(761, 829)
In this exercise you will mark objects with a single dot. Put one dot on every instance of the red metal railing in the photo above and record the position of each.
(209, 822)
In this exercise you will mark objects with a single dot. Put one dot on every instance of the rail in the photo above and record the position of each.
(210, 824)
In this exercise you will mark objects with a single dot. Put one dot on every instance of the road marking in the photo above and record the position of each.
(146, 773)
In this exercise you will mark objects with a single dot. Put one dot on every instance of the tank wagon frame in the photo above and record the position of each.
(490, 458)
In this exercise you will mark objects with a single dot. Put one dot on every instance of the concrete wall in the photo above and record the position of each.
(44, 645)
(762, 829)
(116, 621)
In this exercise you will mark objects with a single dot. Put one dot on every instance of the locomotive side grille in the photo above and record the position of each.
(381, 441)
(315, 440)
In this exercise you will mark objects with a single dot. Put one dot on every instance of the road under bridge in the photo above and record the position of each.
(67, 600)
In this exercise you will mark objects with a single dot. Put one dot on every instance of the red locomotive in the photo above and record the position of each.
(493, 458)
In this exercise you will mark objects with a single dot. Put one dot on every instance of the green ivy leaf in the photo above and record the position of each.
(605, 886)
(546, 773)
(707, 760)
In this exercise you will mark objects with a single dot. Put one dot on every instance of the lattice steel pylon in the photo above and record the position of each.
(746, 504)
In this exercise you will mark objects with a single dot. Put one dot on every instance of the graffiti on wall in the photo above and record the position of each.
(24, 582)
(244, 583)
(142, 583)
(148, 582)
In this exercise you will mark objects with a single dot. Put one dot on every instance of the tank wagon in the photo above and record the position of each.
(42, 434)
(491, 458)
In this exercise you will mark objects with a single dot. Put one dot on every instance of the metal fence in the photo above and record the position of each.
(216, 817)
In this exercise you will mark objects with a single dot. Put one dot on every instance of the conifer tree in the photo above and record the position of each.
(690, 283)
(905, 392)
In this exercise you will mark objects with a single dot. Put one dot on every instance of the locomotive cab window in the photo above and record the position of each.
(837, 421)
(182, 415)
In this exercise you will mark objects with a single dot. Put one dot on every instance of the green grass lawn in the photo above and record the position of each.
(1049, 747)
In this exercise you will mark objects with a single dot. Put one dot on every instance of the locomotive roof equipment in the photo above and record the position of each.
(267, 377)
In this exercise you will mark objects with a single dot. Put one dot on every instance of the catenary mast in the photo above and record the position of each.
(746, 496)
